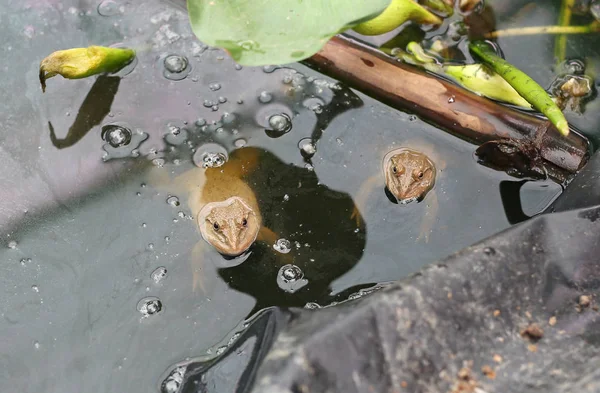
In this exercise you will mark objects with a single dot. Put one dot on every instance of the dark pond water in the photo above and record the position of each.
(95, 274)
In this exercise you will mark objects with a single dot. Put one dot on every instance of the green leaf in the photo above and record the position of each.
(264, 32)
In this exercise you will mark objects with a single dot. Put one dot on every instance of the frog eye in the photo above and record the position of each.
(244, 222)
(420, 175)
(216, 226)
(394, 169)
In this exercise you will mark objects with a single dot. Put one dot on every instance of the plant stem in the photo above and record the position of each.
(564, 19)
(523, 84)
(587, 29)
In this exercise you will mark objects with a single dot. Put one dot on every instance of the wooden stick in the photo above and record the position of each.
(444, 104)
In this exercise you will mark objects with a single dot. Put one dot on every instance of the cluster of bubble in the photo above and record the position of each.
(173, 381)
(276, 120)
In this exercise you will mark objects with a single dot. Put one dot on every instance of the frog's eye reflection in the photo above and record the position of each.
(244, 222)
(216, 226)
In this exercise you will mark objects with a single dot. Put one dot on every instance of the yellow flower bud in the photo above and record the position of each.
(80, 63)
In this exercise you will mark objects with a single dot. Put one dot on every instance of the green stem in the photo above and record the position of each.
(564, 19)
(523, 84)
(587, 29)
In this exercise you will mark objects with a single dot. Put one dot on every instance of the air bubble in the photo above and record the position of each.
(307, 148)
(208, 103)
(200, 122)
(35, 288)
(176, 67)
(173, 381)
(228, 118)
(175, 135)
(269, 68)
(121, 142)
(158, 162)
(315, 104)
(265, 97)
(240, 142)
(149, 306)
(214, 86)
(283, 246)
(451, 100)
(286, 198)
(290, 278)
(173, 201)
(12, 244)
(109, 8)
(116, 136)
(36, 344)
(159, 274)
(280, 123)
(210, 155)
(175, 63)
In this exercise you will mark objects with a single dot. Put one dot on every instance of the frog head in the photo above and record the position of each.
(409, 174)
(230, 226)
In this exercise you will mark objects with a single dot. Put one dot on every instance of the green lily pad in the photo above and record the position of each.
(264, 32)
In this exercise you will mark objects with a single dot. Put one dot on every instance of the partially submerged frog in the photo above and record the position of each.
(409, 174)
(224, 206)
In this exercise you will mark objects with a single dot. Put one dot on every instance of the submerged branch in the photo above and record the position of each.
(519, 31)
(447, 105)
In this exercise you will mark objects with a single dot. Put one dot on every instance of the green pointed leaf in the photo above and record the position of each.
(264, 32)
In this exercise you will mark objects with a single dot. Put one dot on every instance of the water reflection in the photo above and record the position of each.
(343, 100)
(510, 193)
(325, 242)
(95, 107)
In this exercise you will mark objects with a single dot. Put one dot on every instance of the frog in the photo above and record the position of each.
(409, 173)
(224, 206)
